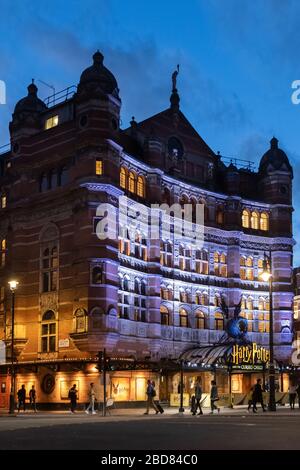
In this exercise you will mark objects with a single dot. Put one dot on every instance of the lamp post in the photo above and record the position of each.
(13, 287)
(268, 277)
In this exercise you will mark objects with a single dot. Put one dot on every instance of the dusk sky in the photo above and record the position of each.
(237, 64)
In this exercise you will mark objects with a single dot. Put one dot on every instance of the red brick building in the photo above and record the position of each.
(143, 299)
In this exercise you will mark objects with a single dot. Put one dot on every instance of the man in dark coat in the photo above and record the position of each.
(73, 398)
(257, 396)
(21, 398)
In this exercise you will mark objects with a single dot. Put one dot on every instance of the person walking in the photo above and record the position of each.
(214, 396)
(156, 402)
(198, 397)
(150, 392)
(32, 398)
(250, 398)
(92, 398)
(257, 396)
(298, 394)
(21, 398)
(292, 395)
(73, 398)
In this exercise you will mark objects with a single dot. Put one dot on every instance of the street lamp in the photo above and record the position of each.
(268, 277)
(13, 284)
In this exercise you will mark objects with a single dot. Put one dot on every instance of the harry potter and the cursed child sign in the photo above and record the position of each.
(249, 355)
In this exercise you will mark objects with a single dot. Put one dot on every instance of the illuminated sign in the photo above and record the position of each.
(250, 354)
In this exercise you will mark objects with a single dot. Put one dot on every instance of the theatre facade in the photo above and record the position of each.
(155, 304)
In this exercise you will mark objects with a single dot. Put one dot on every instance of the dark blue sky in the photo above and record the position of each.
(238, 59)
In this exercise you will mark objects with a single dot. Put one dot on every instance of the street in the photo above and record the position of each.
(228, 431)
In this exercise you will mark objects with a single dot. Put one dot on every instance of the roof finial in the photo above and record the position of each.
(174, 78)
(274, 143)
(174, 99)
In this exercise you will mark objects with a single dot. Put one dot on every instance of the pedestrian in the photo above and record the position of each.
(298, 393)
(150, 392)
(250, 398)
(214, 396)
(156, 402)
(21, 398)
(73, 398)
(257, 396)
(32, 398)
(92, 398)
(292, 395)
(198, 397)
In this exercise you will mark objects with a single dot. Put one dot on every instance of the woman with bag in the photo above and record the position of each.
(214, 396)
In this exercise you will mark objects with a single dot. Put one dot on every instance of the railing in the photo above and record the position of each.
(239, 163)
(4, 148)
(60, 96)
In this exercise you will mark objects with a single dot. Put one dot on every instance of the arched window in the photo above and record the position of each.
(249, 303)
(264, 221)
(200, 320)
(261, 304)
(216, 257)
(219, 321)
(254, 220)
(183, 296)
(183, 318)
(97, 275)
(3, 201)
(48, 332)
(123, 177)
(137, 286)
(198, 298)
(170, 293)
(164, 293)
(246, 218)
(143, 288)
(204, 298)
(164, 315)
(132, 182)
(126, 284)
(80, 321)
(217, 301)
(141, 186)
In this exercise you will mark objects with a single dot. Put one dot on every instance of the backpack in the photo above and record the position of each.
(153, 393)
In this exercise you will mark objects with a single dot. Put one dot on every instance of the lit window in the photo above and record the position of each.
(254, 221)
(48, 332)
(51, 122)
(123, 178)
(245, 219)
(219, 321)
(131, 183)
(164, 315)
(264, 222)
(140, 187)
(3, 201)
(200, 321)
(183, 318)
(99, 167)
(3, 252)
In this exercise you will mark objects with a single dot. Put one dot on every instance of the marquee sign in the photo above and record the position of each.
(249, 355)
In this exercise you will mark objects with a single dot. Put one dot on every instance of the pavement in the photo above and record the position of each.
(130, 429)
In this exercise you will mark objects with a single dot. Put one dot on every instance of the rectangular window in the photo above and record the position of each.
(51, 122)
(99, 167)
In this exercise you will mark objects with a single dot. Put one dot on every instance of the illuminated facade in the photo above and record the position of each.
(140, 298)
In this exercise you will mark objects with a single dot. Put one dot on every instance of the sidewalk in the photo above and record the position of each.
(168, 411)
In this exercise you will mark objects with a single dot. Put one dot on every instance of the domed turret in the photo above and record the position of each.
(99, 76)
(27, 110)
(31, 103)
(274, 159)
